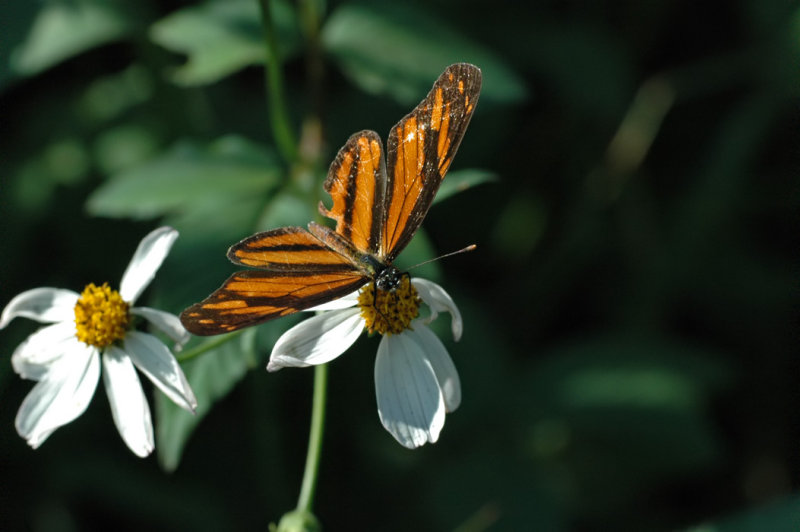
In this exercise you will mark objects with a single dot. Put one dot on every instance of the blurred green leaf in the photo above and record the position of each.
(632, 408)
(64, 29)
(621, 373)
(108, 97)
(212, 375)
(781, 516)
(123, 147)
(189, 179)
(400, 50)
(461, 180)
(221, 37)
(286, 208)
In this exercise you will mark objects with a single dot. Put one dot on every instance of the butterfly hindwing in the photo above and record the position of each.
(250, 297)
(288, 249)
(297, 271)
(420, 149)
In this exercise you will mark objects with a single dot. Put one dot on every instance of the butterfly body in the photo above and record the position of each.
(378, 205)
(388, 279)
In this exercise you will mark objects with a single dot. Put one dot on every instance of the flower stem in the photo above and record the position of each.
(278, 117)
(306, 498)
(207, 346)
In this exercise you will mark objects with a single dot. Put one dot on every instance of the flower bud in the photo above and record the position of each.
(299, 521)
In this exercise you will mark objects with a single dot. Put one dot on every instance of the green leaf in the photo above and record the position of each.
(400, 50)
(221, 37)
(62, 30)
(211, 375)
(189, 180)
(461, 180)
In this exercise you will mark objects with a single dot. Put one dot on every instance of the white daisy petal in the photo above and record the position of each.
(439, 300)
(317, 340)
(129, 406)
(350, 300)
(410, 404)
(167, 323)
(61, 396)
(442, 364)
(47, 305)
(156, 361)
(145, 262)
(33, 357)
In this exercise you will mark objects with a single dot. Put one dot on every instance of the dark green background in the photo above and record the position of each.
(630, 354)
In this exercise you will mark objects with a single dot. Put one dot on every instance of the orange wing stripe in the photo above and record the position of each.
(443, 146)
(369, 162)
(436, 112)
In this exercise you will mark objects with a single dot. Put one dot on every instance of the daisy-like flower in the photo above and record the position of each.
(65, 357)
(416, 382)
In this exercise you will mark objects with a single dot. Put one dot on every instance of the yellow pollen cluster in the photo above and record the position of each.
(101, 316)
(389, 312)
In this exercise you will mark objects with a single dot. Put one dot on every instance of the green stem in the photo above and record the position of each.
(207, 346)
(306, 498)
(278, 117)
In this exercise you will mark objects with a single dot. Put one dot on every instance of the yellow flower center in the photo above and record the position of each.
(101, 316)
(389, 311)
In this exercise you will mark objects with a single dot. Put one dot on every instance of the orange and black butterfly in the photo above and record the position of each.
(376, 213)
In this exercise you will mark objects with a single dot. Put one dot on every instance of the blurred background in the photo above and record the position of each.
(630, 354)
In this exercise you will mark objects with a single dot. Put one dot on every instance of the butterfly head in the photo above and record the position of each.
(388, 280)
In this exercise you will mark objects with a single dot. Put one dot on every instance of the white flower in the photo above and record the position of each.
(65, 357)
(416, 382)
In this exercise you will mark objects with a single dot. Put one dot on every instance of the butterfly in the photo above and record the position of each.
(376, 212)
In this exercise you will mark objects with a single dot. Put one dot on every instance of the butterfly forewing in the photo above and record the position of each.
(420, 149)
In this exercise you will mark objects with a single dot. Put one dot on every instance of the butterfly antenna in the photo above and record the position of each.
(471, 247)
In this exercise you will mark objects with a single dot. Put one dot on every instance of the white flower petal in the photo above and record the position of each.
(33, 357)
(155, 360)
(129, 406)
(410, 404)
(146, 260)
(47, 305)
(442, 364)
(439, 300)
(316, 340)
(61, 396)
(350, 300)
(167, 323)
